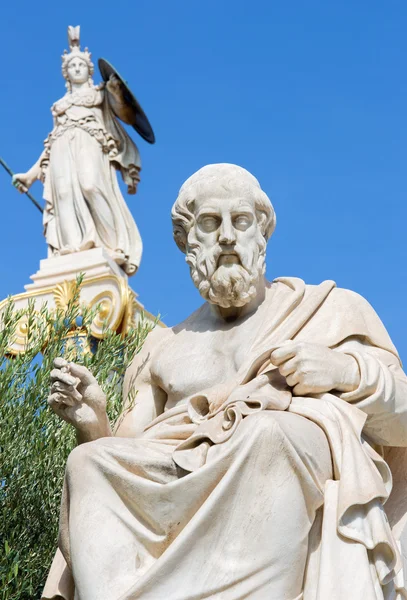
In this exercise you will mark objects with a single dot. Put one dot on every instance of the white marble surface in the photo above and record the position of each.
(93, 263)
(84, 207)
(243, 469)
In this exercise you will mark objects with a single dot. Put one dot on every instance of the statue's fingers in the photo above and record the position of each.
(70, 392)
(18, 184)
(308, 385)
(57, 402)
(56, 398)
(58, 375)
(288, 367)
(56, 387)
(60, 362)
(82, 373)
(301, 390)
(282, 353)
(21, 188)
(115, 80)
(293, 379)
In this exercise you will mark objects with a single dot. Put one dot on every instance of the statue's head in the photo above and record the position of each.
(77, 65)
(77, 70)
(222, 221)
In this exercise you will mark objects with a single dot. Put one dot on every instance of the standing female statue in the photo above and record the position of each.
(84, 207)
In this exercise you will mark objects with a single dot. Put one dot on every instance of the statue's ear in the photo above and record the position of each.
(180, 237)
(267, 222)
(262, 221)
(182, 221)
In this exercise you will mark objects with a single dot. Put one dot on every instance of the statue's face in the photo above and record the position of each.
(226, 250)
(78, 71)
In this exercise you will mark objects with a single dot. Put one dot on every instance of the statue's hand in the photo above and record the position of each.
(114, 86)
(314, 369)
(77, 398)
(22, 182)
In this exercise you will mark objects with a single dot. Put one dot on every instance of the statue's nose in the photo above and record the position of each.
(227, 234)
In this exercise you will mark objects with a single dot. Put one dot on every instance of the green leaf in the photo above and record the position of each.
(35, 443)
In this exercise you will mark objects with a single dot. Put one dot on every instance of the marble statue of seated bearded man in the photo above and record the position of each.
(249, 464)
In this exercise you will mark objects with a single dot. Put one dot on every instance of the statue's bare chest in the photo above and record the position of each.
(191, 361)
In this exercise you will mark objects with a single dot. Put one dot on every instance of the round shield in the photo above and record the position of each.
(137, 117)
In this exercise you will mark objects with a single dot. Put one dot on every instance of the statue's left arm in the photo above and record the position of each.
(381, 393)
(117, 101)
(346, 350)
(382, 387)
(124, 154)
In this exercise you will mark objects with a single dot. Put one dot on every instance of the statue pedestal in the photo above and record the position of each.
(93, 263)
(104, 288)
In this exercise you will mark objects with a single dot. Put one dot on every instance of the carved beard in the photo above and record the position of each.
(226, 285)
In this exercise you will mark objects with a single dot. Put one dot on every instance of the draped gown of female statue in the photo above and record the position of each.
(84, 205)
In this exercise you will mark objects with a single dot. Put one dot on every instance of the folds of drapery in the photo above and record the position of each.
(363, 480)
(354, 552)
(84, 206)
(128, 155)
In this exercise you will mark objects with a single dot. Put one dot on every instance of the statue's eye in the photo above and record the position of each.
(209, 223)
(242, 221)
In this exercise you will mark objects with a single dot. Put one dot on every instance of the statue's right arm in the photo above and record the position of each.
(76, 396)
(143, 398)
(23, 181)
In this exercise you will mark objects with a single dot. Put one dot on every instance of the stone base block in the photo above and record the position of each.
(104, 289)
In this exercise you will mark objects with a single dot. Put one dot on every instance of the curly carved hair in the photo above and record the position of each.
(86, 57)
(219, 180)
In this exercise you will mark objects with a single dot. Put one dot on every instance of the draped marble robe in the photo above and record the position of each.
(84, 207)
(182, 491)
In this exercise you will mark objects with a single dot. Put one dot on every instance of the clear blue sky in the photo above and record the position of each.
(310, 96)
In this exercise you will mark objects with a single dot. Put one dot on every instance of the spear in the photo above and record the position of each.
(10, 172)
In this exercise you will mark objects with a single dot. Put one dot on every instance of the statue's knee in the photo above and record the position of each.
(88, 185)
(264, 426)
(64, 197)
(82, 458)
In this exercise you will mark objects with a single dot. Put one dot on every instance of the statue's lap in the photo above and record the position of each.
(267, 431)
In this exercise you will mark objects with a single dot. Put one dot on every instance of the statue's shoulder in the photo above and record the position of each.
(344, 314)
(159, 336)
(196, 321)
(348, 300)
(343, 303)
(156, 338)
(329, 291)
(60, 106)
(153, 343)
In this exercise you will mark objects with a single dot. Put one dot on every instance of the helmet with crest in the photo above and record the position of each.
(76, 52)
